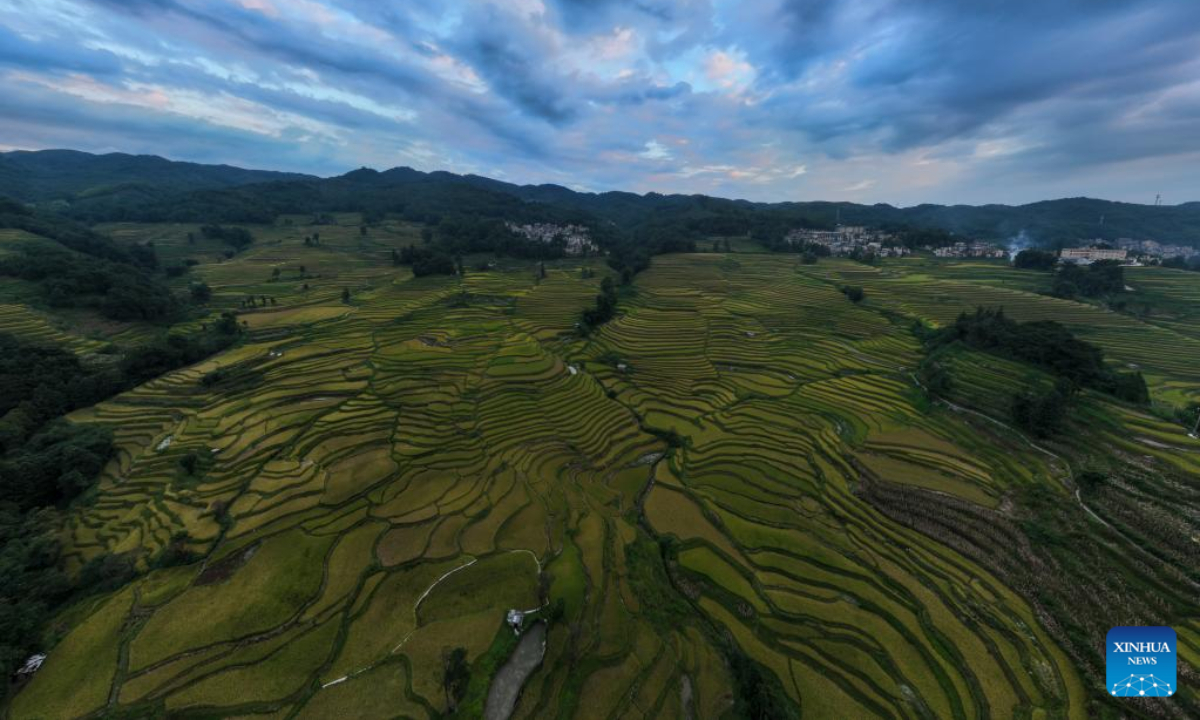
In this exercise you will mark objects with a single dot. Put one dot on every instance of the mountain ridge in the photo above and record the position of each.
(119, 186)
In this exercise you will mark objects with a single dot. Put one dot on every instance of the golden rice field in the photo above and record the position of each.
(384, 479)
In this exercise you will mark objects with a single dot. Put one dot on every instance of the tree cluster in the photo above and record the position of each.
(1031, 259)
(427, 261)
(237, 237)
(81, 268)
(1103, 277)
(1042, 415)
(1181, 263)
(1046, 344)
(603, 311)
(758, 693)
(465, 234)
(146, 362)
(42, 382)
(854, 293)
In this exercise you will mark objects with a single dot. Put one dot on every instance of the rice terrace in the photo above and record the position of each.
(724, 481)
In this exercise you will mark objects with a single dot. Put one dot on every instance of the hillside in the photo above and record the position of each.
(735, 498)
(69, 175)
(105, 188)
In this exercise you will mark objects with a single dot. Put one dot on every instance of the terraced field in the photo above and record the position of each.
(1164, 353)
(381, 481)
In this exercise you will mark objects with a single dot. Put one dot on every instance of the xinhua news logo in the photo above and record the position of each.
(1141, 662)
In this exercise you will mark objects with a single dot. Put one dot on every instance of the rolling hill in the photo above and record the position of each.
(100, 188)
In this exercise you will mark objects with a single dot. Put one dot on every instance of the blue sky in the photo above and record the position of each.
(899, 101)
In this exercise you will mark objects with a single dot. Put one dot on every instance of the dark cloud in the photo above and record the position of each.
(257, 33)
(54, 54)
(736, 94)
(589, 15)
(938, 70)
(511, 55)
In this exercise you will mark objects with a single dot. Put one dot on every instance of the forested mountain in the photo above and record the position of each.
(48, 175)
(95, 188)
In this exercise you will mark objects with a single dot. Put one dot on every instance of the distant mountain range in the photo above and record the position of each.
(47, 175)
(117, 186)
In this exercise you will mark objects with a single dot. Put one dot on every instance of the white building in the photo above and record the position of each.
(1089, 255)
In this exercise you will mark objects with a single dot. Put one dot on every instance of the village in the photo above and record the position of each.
(862, 241)
(857, 240)
(853, 240)
(577, 238)
(846, 240)
(1153, 250)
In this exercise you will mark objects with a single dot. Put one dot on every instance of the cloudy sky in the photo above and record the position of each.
(899, 101)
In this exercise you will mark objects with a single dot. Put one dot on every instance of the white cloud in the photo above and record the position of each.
(859, 186)
(655, 151)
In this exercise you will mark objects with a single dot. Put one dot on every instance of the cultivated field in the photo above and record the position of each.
(381, 480)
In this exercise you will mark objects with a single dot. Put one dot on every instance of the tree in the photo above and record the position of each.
(303, 271)
(1103, 277)
(456, 676)
(200, 291)
(855, 294)
(274, 274)
(362, 230)
(227, 324)
(345, 295)
(1091, 479)
(189, 462)
(606, 306)
(427, 261)
(1035, 260)
(238, 237)
(1042, 415)
(934, 377)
